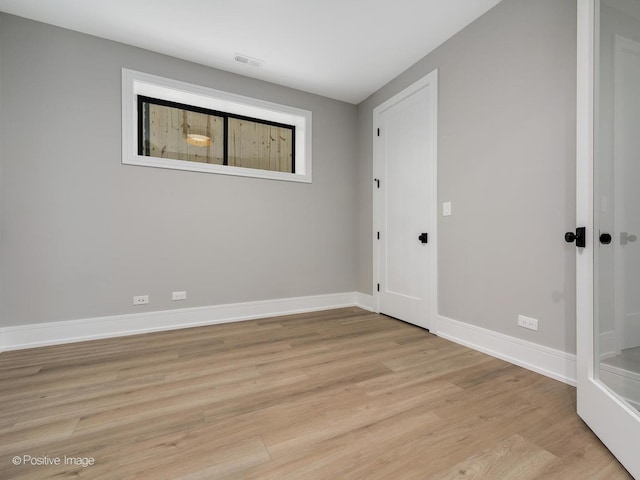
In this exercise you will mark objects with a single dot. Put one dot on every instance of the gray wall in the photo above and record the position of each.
(82, 233)
(506, 161)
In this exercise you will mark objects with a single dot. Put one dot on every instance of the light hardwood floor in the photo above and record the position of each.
(342, 394)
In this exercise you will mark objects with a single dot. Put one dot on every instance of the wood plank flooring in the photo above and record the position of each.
(341, 394)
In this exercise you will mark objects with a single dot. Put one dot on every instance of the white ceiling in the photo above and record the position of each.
(342, 49)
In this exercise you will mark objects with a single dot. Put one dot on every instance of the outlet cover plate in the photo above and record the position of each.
(141, 300)
(178, 295)
(528, 322)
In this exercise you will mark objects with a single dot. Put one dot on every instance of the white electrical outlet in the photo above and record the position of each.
(141, 300)
(446, 209)
(527, 322)
(178, 295)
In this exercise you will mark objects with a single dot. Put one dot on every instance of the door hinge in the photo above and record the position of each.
(378, 287)
(378, 132)
(378, 235)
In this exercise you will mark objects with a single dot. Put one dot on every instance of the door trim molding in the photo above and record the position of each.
(584, 190)
(431, 80)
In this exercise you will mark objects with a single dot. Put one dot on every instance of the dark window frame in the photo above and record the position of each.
(143, 142)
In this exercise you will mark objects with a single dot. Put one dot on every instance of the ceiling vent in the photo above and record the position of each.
(254, 62)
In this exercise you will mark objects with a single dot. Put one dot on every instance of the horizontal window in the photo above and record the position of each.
(175, 125)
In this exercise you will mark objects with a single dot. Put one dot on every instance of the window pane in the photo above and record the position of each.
(179, 134)
(170, 124)
(260, 145)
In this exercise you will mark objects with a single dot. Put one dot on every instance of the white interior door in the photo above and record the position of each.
(613, 419)
(405, 203)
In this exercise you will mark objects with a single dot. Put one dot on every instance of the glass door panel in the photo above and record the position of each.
(617, 200)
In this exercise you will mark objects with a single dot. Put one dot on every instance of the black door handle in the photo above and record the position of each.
(605, 238)
(423, 237)
(580, 237)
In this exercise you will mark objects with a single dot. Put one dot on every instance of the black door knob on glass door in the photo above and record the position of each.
(605, 238)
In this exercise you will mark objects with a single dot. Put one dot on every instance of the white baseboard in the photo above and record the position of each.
(553, 363)
(364, 301)
(37, 335)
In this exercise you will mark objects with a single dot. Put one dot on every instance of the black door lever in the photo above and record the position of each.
(423, 237)
(580, 237)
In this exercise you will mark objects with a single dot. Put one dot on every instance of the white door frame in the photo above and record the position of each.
(429, 80)
(614, 422)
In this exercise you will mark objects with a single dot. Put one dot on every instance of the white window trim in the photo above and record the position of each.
(137, 83)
